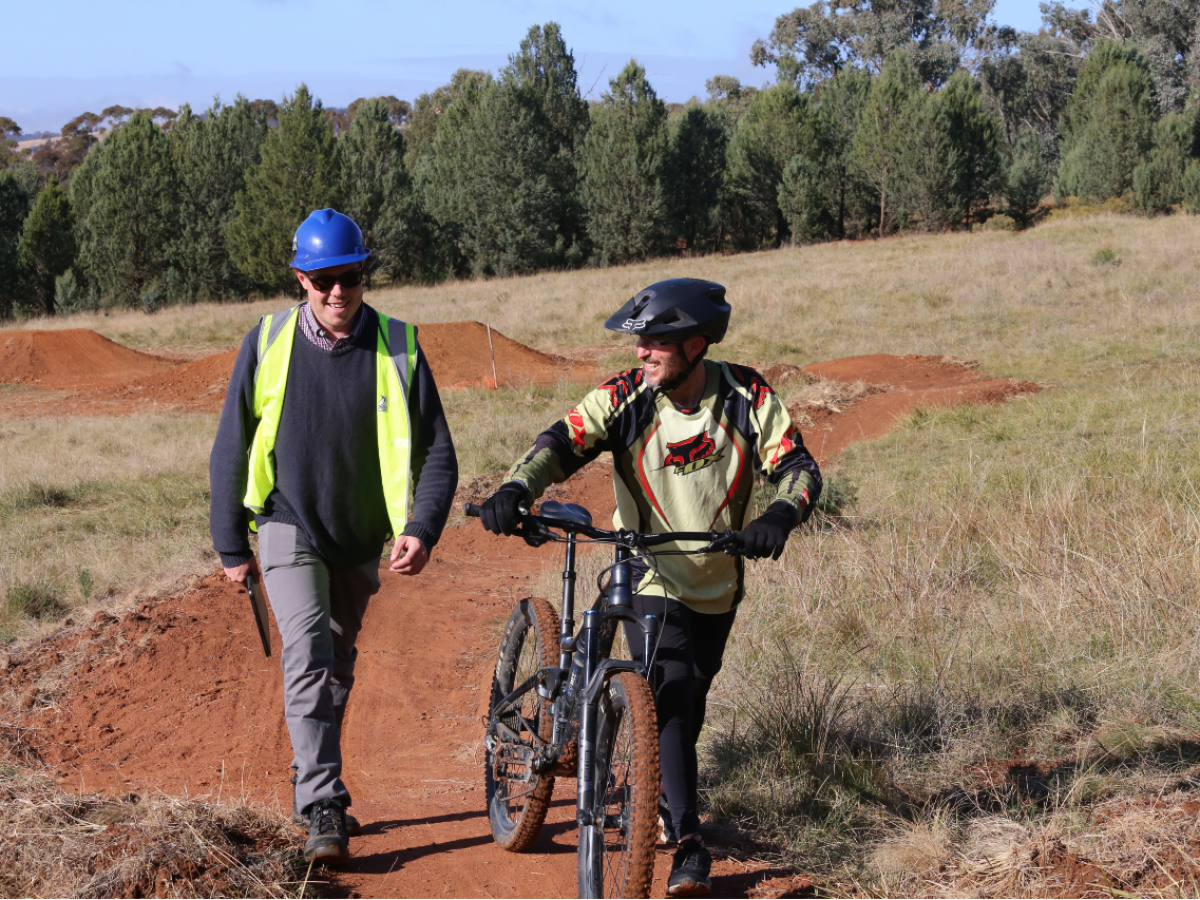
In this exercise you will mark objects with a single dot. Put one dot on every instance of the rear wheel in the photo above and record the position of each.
(517, 797)
(616, 854)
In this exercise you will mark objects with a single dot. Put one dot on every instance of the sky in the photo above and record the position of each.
(148, 53)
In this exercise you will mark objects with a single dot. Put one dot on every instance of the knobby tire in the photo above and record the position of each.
(616, 855)
(530, 643)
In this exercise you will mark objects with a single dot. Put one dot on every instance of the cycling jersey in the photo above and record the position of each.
(682, 470)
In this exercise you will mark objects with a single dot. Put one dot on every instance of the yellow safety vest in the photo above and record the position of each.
(395, 359)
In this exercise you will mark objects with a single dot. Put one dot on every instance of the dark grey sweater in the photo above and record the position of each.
(327, 477)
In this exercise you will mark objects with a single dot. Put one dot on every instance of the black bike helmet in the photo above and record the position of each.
(675, 310)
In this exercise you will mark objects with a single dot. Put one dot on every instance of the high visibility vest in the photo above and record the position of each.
(396, 356)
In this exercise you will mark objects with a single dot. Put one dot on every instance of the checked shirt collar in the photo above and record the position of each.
(316, 333)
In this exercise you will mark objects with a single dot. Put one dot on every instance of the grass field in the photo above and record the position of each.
(993, 649)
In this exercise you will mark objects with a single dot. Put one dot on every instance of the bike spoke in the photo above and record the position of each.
(617, 797)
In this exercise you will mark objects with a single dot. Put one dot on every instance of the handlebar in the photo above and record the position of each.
(728, 541)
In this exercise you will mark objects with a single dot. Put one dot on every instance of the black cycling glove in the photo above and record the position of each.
(767, 535)
(500, 513)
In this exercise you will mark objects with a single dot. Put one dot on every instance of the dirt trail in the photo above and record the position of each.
(177, 696)
(900, 384)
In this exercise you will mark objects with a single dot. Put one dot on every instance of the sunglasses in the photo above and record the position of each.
(325, 283)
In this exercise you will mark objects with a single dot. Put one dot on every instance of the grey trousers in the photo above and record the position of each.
(319, 611)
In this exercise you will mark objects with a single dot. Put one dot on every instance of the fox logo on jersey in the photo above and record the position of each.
(691, 455)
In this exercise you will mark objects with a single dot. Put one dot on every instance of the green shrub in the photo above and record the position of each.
(34, 601)
(1105, 257)
(1000, 222)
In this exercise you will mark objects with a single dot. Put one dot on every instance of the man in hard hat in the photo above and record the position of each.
(687, 437)
(359, 452)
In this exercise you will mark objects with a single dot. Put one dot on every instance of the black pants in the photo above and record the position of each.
(689, 657)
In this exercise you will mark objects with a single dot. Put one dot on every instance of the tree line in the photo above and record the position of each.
(914, 114)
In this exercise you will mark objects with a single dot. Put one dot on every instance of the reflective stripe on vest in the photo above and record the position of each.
(396, 357)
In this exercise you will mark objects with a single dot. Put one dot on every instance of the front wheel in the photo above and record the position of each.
(517, 797)
(616, 854)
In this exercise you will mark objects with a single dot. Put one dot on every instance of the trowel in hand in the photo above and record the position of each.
(258, 602)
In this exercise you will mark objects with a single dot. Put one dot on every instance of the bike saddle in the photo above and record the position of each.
(568, 512)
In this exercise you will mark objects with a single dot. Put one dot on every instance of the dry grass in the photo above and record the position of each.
(59, 844)
(993, 589)
(98, 511)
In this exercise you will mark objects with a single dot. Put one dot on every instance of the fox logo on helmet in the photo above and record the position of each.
(696, 453)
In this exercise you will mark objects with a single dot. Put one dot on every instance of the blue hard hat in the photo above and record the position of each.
(327, 238)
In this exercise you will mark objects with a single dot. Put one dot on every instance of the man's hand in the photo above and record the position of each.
(767, 535)
(238, 573)
(408, 555)
(501, 513)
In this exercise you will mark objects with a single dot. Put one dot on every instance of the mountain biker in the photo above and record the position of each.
(326, 478)
(687, 435)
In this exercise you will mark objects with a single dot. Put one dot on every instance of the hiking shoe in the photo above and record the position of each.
(669, 835)
(353, 826)
(328, 842)
(689, 871)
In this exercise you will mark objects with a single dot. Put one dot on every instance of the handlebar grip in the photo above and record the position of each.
(472, 510)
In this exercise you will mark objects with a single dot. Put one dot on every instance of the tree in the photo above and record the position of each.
(1158, 183)
(297, 174)
(880, 138)
(1108, 125)
(695, 170)
(1027, 82)
(116, 114)
(428, 109)
(398, 110)
(820, 193)
(493, 180)
(213, 156)
(544, 68)
(63, 156)
(14, 207)
(975, 137)
(811, 44)
(47, 247)
(377, 193)
(776, 126)
(927, 186)
(728, 98)
(1165, 32)
(10, 131)
(127, 206)
(623, 164)
(1028, 178)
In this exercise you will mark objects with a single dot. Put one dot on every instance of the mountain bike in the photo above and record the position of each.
(561, 704)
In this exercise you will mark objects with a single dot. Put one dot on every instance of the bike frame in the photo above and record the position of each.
(575, 687)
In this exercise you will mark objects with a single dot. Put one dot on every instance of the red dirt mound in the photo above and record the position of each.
(198, 386)
(458, 352)
(73, 356)
(459, 355)
(904, 383)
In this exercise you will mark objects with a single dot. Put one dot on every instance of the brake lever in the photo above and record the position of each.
(533, 533)
(730, 543)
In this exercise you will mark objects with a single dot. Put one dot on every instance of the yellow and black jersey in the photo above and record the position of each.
(682, 470)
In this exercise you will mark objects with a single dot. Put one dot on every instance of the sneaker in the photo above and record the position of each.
(353, 826)
(327, 842)
(669, 835)
(690, 870)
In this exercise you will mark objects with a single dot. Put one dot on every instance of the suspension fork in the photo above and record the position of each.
(589, 645)
(566, 634)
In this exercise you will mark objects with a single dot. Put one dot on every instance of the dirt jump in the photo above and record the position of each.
(176, 696)
(84, 374)
(72, 357)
